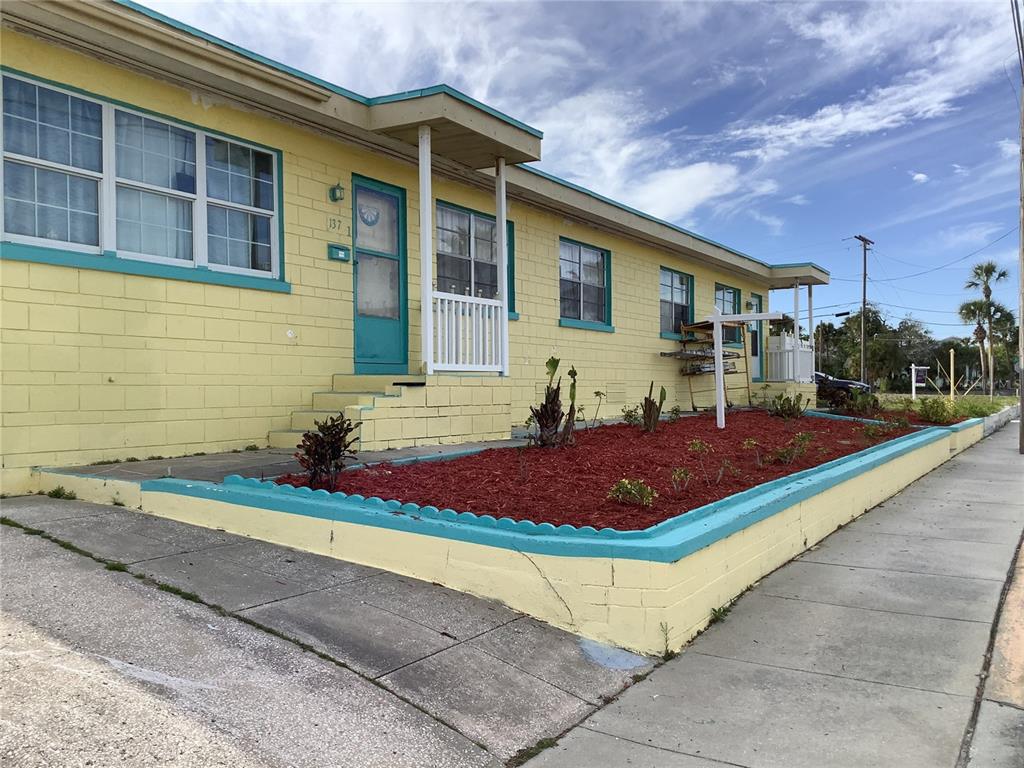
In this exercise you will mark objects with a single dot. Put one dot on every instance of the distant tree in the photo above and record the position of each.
(976, 311)
(983, 276)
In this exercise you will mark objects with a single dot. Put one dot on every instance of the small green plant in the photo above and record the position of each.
(324, 451)
(727, 467)
(131, 459)
(877, 431)
(786, 407)
(681, 478)
(600, 399)
(861, 403)
(675, 413)
(750, 444)
(700, 449)
(719, 614)
(548, 415)
(116, 500)
(154, 458)
(635, 492)
(581, 416)
(652, 410)
(935, 410)
(101, 462)
(61, 493)
(792, 450)
(252, 447)
(631, 415)
(666, 655)
(570, 419)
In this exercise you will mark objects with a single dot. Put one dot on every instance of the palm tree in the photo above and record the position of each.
(976, 312)
(983, 275)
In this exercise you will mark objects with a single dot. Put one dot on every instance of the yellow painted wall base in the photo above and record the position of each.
(619, 601)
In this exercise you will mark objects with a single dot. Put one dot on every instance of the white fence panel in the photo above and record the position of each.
(467, 333)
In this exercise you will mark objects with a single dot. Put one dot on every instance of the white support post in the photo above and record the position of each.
(796, 313)
(716, 336)
(810, 317)
(426, 252)
(501, 236)
(913, 382)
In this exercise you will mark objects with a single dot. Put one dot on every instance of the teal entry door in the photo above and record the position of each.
(379, 256)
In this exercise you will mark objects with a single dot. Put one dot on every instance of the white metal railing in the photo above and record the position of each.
(466, 333)
(789, 360)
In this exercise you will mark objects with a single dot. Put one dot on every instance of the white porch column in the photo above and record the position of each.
(426, 253)
(794, 353)
(810, 316)
(501, 236)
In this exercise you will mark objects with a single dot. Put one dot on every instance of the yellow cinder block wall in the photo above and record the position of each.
(100, 365)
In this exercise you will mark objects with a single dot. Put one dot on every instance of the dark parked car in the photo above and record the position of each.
(837, 391)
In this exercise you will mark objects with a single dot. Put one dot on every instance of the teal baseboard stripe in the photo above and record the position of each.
(666, 542)
(108, 262)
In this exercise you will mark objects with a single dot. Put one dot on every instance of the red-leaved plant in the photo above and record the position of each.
(324, 451)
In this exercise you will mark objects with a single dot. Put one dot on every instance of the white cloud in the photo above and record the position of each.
(1008, 148)
(959, 170)
(964, 235)
(917, 177)
(797, 200)
(773, 223)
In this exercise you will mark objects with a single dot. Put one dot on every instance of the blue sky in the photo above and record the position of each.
(778, 129)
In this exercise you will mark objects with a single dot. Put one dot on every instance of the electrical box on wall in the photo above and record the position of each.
(339, 252)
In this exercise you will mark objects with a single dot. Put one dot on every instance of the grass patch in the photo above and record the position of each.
(61, 493)
(520, 757)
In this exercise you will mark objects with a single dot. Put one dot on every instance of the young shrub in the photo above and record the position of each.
(570, 419)
(323, 452)
(786, 407)
(675, 414)
(934, 410)
(862, 404)
(700, 449)
(631, 415)
(652, 410)
(727, 467)
(750, 444)
(635, 492)
(600, 399)
(548, 415)
(681, 478)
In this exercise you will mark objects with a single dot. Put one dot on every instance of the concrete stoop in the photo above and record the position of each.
(404, 411)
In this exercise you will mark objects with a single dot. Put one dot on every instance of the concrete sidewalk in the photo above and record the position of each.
(866, 651)
(403, 672)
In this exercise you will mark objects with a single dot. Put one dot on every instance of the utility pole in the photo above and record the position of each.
(864, 308)
(1018, 36)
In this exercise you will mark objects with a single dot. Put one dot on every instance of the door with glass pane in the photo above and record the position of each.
(756, 334)
(378, 229)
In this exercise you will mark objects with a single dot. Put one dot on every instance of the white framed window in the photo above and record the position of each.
(86, 175)
(467, 253)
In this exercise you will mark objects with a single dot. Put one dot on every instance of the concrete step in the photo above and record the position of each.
(339, 401)
(303, 420)
(347, 382)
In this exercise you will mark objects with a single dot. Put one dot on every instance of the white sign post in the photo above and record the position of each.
(716, 318)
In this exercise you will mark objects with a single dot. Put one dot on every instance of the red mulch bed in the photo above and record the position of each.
(910, 415)
(571, 484)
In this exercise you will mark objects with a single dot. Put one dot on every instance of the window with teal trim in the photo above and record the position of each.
(675, 300)
(87, 176)
(583, 283)
(467, 253)
(728, 302)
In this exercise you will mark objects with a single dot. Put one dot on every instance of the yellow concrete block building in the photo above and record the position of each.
(203, 249)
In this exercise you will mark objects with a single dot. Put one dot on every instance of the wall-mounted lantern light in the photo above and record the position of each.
(336, 193)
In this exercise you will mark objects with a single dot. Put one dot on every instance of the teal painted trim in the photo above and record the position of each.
(112, 263)
(673, 336)
(339, 252)
(442, 88)
(665, 542)
(447, 90)
(585, 325)
(733, 344)
(403, 259)
(966, 424)
(623, 207)
(510, 235)
(570, 322)
(277, 153)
